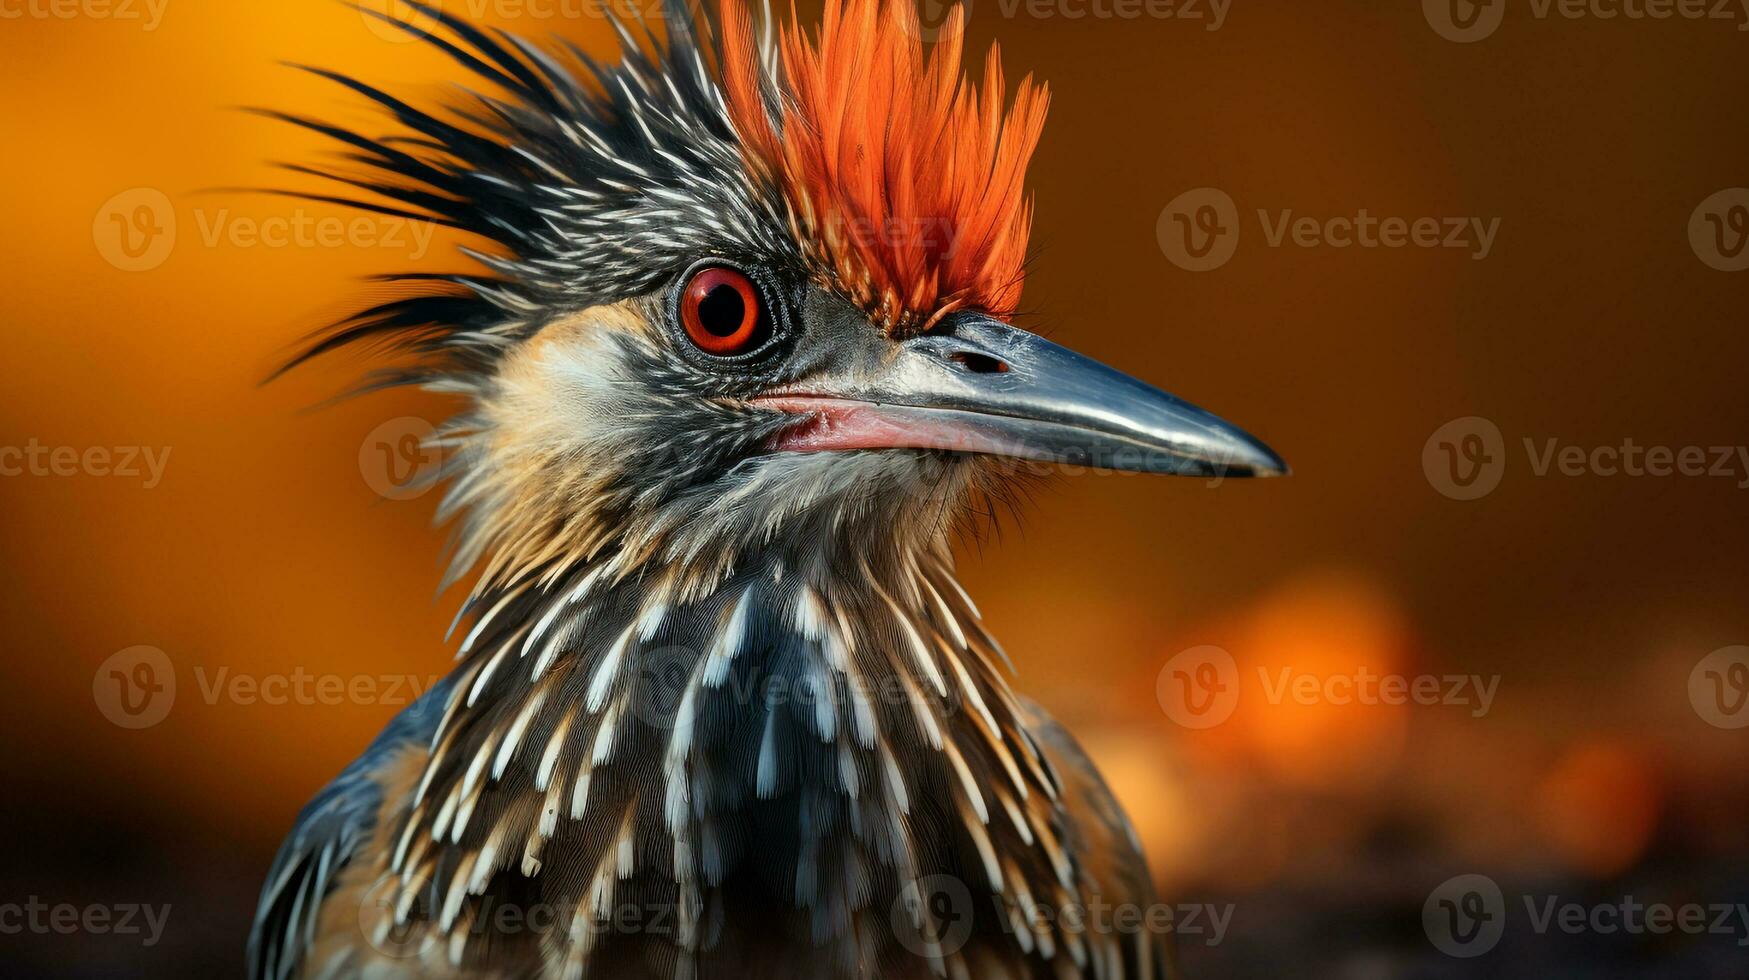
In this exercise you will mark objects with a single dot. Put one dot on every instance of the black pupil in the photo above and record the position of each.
(722, 311)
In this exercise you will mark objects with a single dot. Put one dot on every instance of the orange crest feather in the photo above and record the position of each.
(906, 180)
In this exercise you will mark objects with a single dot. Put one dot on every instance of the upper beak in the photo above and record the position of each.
(983, 386)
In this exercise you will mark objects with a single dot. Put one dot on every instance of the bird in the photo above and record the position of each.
(735, 364)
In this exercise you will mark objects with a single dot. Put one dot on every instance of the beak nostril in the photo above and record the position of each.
(978, 363)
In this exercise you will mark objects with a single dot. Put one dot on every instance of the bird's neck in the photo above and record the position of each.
(599, 718)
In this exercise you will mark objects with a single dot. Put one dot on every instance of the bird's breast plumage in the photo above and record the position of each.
(790, 771)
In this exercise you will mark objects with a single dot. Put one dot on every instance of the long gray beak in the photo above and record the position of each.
(982, 386)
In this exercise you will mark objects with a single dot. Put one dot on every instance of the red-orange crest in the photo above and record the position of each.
(905, 179)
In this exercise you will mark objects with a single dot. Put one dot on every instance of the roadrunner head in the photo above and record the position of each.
(739, 354)
(741, 291)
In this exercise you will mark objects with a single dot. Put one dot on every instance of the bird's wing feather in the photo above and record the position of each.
(325, 838)
(1102, 842)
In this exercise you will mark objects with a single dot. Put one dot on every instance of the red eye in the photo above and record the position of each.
(720, 310)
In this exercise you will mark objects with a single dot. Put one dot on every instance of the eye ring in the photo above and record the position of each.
(722, 311)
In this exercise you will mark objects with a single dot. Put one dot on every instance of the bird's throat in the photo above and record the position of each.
(780, 739)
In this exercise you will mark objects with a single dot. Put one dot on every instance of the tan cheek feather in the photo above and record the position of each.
(523, 402)
(533, 418)
(582, 329)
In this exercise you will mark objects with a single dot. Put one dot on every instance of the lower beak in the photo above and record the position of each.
(982, 386)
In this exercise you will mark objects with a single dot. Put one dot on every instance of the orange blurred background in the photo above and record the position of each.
(263, 549)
